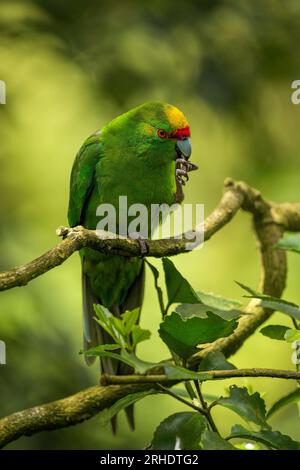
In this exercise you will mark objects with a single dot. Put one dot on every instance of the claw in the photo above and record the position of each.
(188, 166)
(182, 176)
(181, 161)
(191, 166)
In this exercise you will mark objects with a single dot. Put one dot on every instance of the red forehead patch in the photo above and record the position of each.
(180, 134)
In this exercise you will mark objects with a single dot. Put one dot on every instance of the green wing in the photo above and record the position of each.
(83, 178)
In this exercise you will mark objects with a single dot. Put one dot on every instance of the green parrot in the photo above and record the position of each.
(142, 154)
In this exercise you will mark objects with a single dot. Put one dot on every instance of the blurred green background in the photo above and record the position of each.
(69, 68)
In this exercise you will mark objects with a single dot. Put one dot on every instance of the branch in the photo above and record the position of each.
(270, 220)
(213, 374)
(64, 413)
(236, 196)
(87, 403)
(108, 243)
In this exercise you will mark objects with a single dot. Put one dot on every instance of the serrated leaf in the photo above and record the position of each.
(215, 361)
(250, 407)
(180, 431)
(106, 415)
(291, 243)
(217, 301)
(274, 331)
(200, 310)
(211, 441)
(270, 438)
(274, 303)
(209, 302)
(292, 397)
(178, 288)
(182, 336)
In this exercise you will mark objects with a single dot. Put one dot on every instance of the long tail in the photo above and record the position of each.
(94, 335)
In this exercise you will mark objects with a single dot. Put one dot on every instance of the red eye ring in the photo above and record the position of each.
(161, 133)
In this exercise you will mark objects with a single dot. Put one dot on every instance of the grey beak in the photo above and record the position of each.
(185, 147)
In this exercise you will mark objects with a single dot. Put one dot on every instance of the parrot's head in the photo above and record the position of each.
(163, 126)
(159, 131)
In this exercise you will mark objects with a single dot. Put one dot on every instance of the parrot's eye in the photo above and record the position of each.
(161, 133)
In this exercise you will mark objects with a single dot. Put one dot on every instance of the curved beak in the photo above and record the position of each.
(185, 148)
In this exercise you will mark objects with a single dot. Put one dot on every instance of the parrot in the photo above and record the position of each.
(144, 155)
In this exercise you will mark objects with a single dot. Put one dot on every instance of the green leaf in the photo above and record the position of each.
(187, 311)
(274, 331)
(97, 350)
(215, 361)
(140, 366)
(291, 243)
(129, 319)
(270, 438)
(123, 330)
(104, 318)
(217, 301)
(248, 446)
(139, 335)
(182, 336)
(178, 288)
(292, 310)
(292, 397)
(181, 373)
(180, 431)
(158, 289)
(292, 335)
(211, 441)
(250, 407)
(273, 303)
(117, 327)
(106, 415)
(226, 309)
(109, 323)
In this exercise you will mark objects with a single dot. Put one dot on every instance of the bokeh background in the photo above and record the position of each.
(69, 68)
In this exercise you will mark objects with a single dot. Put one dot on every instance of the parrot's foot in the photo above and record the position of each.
(182, 176)
(183, 167)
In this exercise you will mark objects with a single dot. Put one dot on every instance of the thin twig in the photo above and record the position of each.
(209, 417)
(212, 375)
(181, 399)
